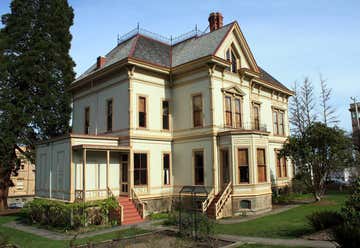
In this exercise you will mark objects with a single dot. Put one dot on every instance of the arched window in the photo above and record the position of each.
(232, 57)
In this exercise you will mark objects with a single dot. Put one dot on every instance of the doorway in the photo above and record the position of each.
(124, 174)
(224, 168)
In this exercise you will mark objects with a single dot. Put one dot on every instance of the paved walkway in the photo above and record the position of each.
(62, 236)
(239, 219)
(270, 241)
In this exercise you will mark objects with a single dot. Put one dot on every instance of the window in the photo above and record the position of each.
(199, 167)
(261, 165)
(278, 120)
(228, 112)
(197, 111)
(19, 184)
(166, 168)
(237, 113)
(281, 169)
(165, 115)
(142, 111)
(140, 169)
(256, 116)
(246, 204)
(231, 57)
(243, 163)
(87, 120)
(109, 115)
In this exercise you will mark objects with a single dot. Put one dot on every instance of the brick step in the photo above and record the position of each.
(131, 215)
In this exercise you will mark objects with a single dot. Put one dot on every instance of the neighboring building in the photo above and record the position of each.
(24, 184)
(154, 115)
(355, 123)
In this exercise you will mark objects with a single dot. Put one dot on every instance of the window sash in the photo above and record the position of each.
(165, 115)
(233, 62)
(142, 111)
(261, 164)
(237, 113)
(140, 169)
(199, 167)
(256, 113)
(197, 111)
(243, 165)
(281, 123)
(109, 118)
(166, 169)
(87, 120)
(276, 124)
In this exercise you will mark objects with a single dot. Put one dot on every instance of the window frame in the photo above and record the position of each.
(145, 111)
(110, 100)
(261, 165)
(162, 115)
(279, 122)
(226, 112)
(141, 169)
(258, 106)
(238, 165)
(195, 167)
(87, 114)
(238, 113)
(201, 112)
(283, 165)
(162, 170)
(230, 54)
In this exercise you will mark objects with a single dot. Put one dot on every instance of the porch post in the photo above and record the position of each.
(84, 173)
(131, 172)
(107, 170)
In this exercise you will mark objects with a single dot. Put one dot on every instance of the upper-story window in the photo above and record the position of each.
(232, 58)
(256, 116)
(142, 111)
(278, 122)
(109, 115)
(238, 113)
(165, 115)
(197, 111)
(228, 111)
(87, 120)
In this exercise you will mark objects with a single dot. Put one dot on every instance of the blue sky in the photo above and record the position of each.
(290, 39)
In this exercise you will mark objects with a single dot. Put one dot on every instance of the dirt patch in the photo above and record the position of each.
(324, 235)
(164, 239)
(325, 203)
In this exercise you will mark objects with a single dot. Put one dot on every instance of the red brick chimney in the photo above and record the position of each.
(215, 21)
(100, 62)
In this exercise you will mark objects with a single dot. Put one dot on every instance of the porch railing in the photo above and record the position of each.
(222, 200)
(208, 201)
(140, 206)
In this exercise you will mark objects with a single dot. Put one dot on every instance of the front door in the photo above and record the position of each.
(124, 166)
(224, 168)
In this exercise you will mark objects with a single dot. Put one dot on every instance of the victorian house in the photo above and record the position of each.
(156, 114)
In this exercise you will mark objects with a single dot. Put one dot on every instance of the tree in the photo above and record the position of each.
(296, 113)
(328, 112)
(317, 152)
(35, 71)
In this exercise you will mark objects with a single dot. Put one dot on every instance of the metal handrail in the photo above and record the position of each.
(208, 201)
(223, 198)
(140, 206)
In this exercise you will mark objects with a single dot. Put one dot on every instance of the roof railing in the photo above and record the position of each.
(168, 40)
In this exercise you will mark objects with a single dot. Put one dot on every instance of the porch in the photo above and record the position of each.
(101, 171)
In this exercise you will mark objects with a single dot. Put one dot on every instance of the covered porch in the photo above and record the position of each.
(101, 171)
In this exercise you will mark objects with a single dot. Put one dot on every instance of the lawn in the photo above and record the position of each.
(23, 239)
(288, 224)
(264, 246)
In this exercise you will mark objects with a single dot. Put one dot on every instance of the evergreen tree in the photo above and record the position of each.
(35, 71)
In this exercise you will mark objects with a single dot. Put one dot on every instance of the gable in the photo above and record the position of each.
(236, 40)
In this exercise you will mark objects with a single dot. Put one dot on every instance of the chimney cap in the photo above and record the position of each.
(215, 20)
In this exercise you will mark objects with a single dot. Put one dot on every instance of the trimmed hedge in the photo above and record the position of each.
(71, 215)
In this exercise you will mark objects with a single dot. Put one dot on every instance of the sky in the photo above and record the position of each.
(290, 39)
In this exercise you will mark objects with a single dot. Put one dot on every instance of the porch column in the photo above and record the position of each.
(84, 173)
(107, 168)
(131, 172)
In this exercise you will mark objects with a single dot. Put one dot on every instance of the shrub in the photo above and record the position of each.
(348, 233)
(324, 219)
(69, 215)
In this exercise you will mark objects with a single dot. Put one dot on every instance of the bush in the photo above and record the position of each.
(325, 219)
(348, 233)
(69, 215)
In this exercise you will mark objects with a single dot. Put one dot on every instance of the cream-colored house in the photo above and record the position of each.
(154, 115)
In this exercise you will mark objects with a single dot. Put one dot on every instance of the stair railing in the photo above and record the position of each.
(208, 200)
(222, 200)
(121, 207)
(140, 206)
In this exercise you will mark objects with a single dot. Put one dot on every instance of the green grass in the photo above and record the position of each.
(23, 239)
(289, 224)
(264, 246)
(159, 216)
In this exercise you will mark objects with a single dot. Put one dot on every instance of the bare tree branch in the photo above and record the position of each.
(328, 112)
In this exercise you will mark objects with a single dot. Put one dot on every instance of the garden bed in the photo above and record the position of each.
(164, 239)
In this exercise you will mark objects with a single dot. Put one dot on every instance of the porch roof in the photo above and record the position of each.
(101, 147)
